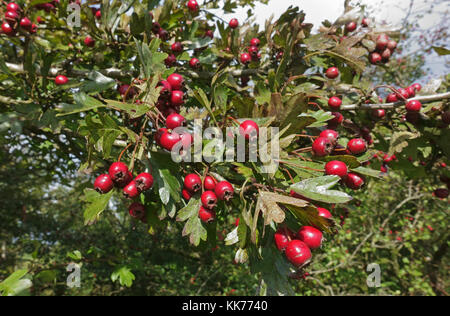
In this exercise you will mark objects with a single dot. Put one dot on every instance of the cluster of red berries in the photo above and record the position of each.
(326, 144)
(158, 30)
(120, 176)
(14, 20)
(352, 25)
(212, 193)
(384, 49)
(253, 53)
(126, 91)
(386, 159)
(167, 138)
(171, 95)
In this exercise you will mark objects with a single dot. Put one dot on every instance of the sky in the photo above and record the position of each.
(393, 12)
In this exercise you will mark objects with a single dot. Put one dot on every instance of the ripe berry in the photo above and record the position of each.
(176, 81)
(159, 133)
(186, 140)
(357, 146)
(335, 103)
(382, 42)
(323, 212)
(249, 129)
(118, 172)
(209, 183)
(170, 60)
(163, 34)
(25, 23)
(378, 113)
(175, 120)
(253, 51)
(131, 191)
(193, 5)
(282, 238)
(354, 181)
(386, 55)
(166, 88)
(13, 7)
(392, 98)
(192, 183)
(298, 253)
(411, 92)
(209, 33)
(365, 22)
(311, 236)
(177, 98)
(194, 63)
(330, 134)
(391, 45)
(11, 16)
(375, 58)
(402, 94)
(417, 87)
(177, 47)
(338, 119)
(206, 216)
(441, 193)
(168, 140)
(61, 80)
(89, 41)
(186, 194)
(98, 14)
(224, 190)
(350, 26)
(413, 106)
(209, 200)
(7, 29)
(336, 168)
(144, 181)
(255, 42)
(137, 210)
(322, 146)
(413, 117)
(234, 23)
(332, 73)
(103, 184)
(245, 58)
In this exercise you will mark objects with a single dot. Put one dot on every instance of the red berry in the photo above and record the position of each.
(186, 194)
(322, 146)
(413, 106)
(194, 63)
(176, 81)
(323, 212)
(378, 113)
(375, 58)
(103, 184)
(177, 98)
(209, 200)
(411, 92)
(137, 210)
(391, 45)
(332, 73)
(7, 29)
(253, 51)
(392, 98)
(209, 183)
(26, 23)
(245, 58)
(357, 146)
(166, 89)
(413, 117)
(298, 253)
(354, 181)
(186, 140)
(12, 6)
(61, 80)
(402, 94)
(383, 169)
(224, 190)
(382, 42)
(336, 168)
(338, 119)
(249, 129)
(177, 47)
(365, 22)
(11, 16)
(282, 238)
(417, 87)
(330, 134)
(175, 120)
(171, 60)
(192, 183)
(89, 41)
(311, 236)
(335, 103)
(350, 26)
(193, 5)
(168, 140)
(386, 55)
(98, 14)
(131, 191)
(441, 193)
(234, 23)
(159, 133)
(206, 216)
(118, 172)
(209, 33)
(144, 181)
(255, 42)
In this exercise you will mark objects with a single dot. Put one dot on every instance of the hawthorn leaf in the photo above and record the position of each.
(318, 189)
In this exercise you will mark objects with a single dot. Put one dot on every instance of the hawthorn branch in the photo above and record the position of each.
(423, 99)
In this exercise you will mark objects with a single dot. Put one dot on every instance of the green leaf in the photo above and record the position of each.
(193, 227)
(97, 83)
(124, 275)
(441, 51)
(165, 171)
(96, 204)
(318, 189)
(15, 284)
(367, 172)
(83, 103)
